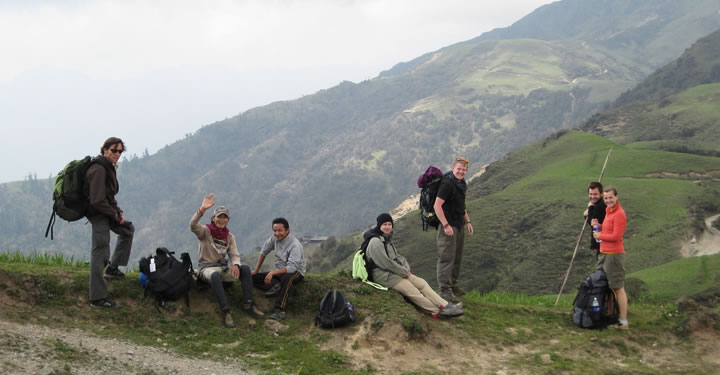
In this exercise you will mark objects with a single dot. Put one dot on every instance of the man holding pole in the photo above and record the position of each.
(595, 210)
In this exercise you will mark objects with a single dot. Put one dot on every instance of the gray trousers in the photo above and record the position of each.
(450, 250)
(100, 252)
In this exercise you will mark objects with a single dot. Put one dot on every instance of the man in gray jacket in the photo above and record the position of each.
(289, 266)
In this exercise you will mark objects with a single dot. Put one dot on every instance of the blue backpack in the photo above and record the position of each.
(595, 305)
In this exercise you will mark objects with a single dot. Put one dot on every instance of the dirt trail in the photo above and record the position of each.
(33, 349)
(707, 243)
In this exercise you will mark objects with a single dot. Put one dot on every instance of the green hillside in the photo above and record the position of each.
(527, 212)
(330, 160)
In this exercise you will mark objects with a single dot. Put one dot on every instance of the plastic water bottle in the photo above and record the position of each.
(596, 228)
(152, 264)
(595, 305)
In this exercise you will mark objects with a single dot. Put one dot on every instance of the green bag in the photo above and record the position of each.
(69, 200)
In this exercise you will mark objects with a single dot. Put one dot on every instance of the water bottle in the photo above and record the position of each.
(152, 264)
(596, 228)
(595, 305)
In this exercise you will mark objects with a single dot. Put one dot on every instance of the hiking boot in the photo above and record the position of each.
(458, 291)
(277, 315)
(458, 305)
(449, 296)
(274, 291)
(113, 273)
(252, 310)
(104, 303)
(228, 321)
(451, 311)
(621, 326)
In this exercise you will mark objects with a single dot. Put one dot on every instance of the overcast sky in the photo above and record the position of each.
(73, 73)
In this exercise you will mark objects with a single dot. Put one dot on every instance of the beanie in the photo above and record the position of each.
(384, 218)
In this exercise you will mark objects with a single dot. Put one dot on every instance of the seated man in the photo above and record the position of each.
(215, 242)
(289, 266)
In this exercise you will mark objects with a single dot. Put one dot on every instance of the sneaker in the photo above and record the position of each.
(228, 321)
(449, 296)
(277, 315)
(451, 311)
(104, 303)
(252, 310)
(458, 291)
(435, 315)
(621, 326)
(112, 273)
(274, 291)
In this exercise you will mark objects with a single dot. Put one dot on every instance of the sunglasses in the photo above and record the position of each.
(462, 160)
(114, 151)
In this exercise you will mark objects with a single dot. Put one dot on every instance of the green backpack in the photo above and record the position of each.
(69, 200)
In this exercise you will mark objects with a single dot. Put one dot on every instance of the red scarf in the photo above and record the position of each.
(218, 233)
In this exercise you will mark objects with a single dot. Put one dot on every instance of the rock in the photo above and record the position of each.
(545, 358)
(275, 326)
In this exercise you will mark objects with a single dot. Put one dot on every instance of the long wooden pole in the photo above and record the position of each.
(582, 231)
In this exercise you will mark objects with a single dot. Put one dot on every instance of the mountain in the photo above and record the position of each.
(331, 161)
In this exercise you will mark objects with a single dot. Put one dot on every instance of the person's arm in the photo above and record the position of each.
(619, 225)
(376, 252)
(200, 230)
(468, 224)
(441, 216)
(260, 261)
(96, 176)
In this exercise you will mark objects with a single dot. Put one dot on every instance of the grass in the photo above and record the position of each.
(45, 259)
(519, 331)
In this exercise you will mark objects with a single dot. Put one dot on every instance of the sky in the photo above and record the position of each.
(73, 73)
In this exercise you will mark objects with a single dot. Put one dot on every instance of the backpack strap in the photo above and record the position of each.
(51, 224)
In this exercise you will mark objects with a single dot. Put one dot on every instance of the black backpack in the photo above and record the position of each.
(335, 310)
(595, 305)
(69, 199)
(429, 183)
(167, 278)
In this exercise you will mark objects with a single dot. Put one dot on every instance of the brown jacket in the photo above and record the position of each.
(101, 188)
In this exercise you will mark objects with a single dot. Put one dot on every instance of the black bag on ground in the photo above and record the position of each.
(168, 278)
(335, 310)
(595, 305)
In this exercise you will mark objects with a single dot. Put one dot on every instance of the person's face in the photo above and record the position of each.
(221, 221)
(594, 195)
(113, 152)
(610, 198)
(280, 232)
(386, 227)
(459, 170)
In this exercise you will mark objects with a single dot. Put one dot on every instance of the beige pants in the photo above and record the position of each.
(420, 293)
(208, 271)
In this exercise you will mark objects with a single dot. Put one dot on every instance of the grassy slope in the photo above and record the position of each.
(513, 333)
(528, 207)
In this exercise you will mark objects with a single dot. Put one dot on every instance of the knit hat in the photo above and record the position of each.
(384, 218)
(221, 210)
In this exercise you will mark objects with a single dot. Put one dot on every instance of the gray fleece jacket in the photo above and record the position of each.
(391, 266)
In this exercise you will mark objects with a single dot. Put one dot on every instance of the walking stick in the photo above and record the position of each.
(582, 231)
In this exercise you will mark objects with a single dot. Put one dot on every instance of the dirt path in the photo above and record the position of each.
(32, 349)
(707, 243)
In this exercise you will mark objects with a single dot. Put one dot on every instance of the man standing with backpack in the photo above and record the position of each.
(595, 210)
(105, 216)
(450, 209)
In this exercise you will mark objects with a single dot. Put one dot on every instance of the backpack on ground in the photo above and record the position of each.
(69, 200)
(335, 310)
(429, 183)
(595, 305)
(167, 278)
(364, 265)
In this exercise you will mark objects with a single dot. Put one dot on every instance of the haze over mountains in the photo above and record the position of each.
(331, 161)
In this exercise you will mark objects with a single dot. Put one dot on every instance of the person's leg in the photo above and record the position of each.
(121, 255)
(287, 282)
(459, 246)
(407, 289)
(622, 303)
(421, 285)
(214, 276)
(615, 271)
(446, 261)
(99, 255)
(258, 281)
(247, 283)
